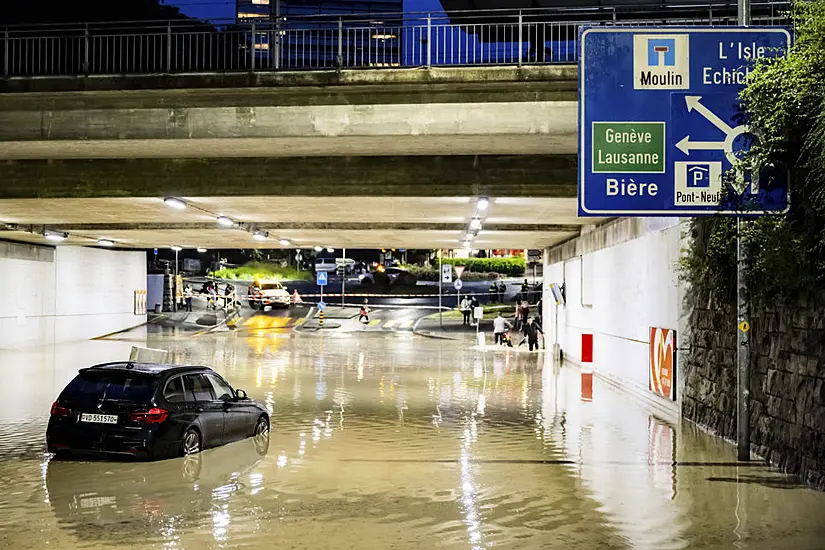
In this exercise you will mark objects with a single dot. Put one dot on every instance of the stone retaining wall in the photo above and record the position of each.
(787, 380)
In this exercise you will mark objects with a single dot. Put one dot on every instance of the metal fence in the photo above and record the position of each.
(401, 40)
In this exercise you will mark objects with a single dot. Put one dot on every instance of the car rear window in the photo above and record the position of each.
(112, 385)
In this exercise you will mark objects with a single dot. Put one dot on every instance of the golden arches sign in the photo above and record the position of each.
(662, 377)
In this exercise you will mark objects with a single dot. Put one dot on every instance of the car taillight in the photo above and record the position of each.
(152, 416)
(59, 410)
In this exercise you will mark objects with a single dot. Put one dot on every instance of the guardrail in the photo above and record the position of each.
(494, 37)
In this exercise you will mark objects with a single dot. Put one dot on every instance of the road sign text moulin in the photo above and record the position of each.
(660, 124)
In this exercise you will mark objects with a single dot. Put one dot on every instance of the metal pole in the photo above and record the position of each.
(430, 59)
(86, 52)
(744, 12)
(520, 37)
(440, 316)
(6, 46)
(252, 45)
(277, 49)
(743, 439)
(175, 286)
(344, 280)
(169, 48)
(340, 43)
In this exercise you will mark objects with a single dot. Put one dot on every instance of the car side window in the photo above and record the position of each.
(199, 386)
(221, 388)
(174, 392)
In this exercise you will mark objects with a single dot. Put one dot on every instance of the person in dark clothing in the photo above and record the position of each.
(502, 292)
(494, 292)
(365, 312)
(525, 290)
(531, 334)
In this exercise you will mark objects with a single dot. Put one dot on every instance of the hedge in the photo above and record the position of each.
(513, 267)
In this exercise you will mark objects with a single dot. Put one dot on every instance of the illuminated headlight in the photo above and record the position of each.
(361, 276)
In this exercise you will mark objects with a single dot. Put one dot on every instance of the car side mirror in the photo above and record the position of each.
(240, 394)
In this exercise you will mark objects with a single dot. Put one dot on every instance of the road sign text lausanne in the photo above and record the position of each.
(659, 121)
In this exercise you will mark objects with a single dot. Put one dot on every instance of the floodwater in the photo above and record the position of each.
(392, 441)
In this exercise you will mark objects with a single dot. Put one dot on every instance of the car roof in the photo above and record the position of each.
(147, 368)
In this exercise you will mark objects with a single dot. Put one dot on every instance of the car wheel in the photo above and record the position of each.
(261, 426)
(191, 443)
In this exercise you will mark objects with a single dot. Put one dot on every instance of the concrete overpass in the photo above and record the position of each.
(340, 158)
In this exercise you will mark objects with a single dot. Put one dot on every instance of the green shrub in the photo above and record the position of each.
(262, 270)
(510, 267)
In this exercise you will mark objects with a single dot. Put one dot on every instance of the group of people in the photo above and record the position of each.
(210, 290)
(498, 291)
(528, 326)
(466, 307)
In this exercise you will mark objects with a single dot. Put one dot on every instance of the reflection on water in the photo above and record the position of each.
(394, 442)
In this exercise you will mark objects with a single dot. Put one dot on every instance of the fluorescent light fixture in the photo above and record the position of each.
(260, 235)
(105, 242)
(201, 249)
(284, 242)
(475, 224)
(56, 237)
(318, 248)
(176, 248)
(330, 250)
(172, 202)
(225, 221)
(483, 204)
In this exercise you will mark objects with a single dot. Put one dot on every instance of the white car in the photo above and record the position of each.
(330, 265)
(268, 293)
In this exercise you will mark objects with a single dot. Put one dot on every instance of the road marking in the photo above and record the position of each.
(406, 323)
(300, 322)
(390, 323)
(374, 323)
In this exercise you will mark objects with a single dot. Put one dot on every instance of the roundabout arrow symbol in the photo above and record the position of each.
(686, 145)
(694, 102)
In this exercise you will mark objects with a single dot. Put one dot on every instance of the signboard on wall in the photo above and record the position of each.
(662, 376)
(140, 302)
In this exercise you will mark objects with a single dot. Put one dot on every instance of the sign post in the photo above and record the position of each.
(660, 127)
(446, 277)
(321, 281)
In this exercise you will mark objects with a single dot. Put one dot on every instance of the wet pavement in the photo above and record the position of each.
(387, 440)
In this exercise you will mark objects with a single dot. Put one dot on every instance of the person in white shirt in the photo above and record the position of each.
(500, 325)
(466, 310)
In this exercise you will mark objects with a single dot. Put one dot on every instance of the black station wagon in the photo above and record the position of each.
(150, 411)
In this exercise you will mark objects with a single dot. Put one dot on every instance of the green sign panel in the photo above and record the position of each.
(629, 147)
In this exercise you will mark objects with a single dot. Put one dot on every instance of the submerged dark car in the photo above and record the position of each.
(150, 411)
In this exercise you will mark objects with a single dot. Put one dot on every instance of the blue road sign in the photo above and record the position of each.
(660, 123)
(458, 284)
(321, 278)
(322, 306)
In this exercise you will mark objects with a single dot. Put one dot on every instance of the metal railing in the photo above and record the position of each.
(511, 37)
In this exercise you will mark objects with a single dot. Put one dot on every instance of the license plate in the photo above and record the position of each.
(267, 308)
(99, 418)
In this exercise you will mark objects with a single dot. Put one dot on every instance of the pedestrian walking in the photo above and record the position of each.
(500, 325)
(494, 292)
(212, 300)
(525, 290)
(229, 296)
(465, 310)
(364, 313)
(531, 334)
(474, 303)
(502, 291)
(187, 296)
(525, 312)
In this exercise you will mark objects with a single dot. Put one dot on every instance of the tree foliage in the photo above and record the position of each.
(784, 101)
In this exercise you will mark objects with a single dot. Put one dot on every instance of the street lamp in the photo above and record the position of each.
(172, 202)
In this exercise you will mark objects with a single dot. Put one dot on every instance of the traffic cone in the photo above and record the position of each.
(296, 298)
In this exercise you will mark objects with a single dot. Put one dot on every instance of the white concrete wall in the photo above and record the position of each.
(628, 288)
(80, 293)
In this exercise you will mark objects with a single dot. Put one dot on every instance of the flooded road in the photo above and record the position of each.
(391, 441)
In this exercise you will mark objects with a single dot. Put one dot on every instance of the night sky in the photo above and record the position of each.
(225, 9)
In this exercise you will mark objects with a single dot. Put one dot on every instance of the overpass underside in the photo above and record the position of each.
(355, 158)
